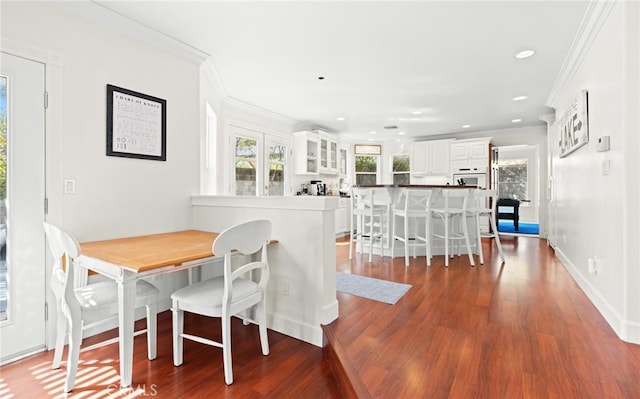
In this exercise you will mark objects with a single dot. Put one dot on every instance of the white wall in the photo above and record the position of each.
(114, 196)
(596, 215)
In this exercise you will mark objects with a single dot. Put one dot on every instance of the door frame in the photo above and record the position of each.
(54, 152)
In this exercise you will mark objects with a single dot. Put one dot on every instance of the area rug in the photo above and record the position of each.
(506, 226)
(371, 288)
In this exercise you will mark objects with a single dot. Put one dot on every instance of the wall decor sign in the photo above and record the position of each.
(136, 125)
(367, 149)
(574, 126)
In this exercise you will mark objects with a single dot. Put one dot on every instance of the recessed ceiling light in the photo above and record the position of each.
(341, 118)
(519, 98)
(466, 126)
(372, 132)
(517, 120)
(417, 112)
(525, 54)
(401, 133)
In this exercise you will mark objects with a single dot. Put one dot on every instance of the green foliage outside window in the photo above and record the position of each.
(366, 164)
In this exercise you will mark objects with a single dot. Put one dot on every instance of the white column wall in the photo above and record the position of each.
(305, 255)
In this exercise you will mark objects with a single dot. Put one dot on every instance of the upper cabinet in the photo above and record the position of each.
(342, 161)
(470, 150)
(315, 153)
(430, 158)
(306, 156)
(328, 154)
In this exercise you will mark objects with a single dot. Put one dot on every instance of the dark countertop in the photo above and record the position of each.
(414, 186)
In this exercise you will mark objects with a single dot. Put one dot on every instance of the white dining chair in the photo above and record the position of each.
(453, 215)
(232, 294)
(81, 306)
(414, 209)
(484, 205)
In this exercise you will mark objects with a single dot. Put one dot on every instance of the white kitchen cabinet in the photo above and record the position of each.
(430, 158)
(306, 147)
(342, 161)
(328, 154)
(342, 216)
(470, 150)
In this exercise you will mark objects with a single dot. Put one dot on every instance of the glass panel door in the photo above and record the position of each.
(245, 165)
(277, 162)
(22, 194)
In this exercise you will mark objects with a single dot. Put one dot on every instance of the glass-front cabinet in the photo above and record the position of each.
(328, 154)
(307, 149)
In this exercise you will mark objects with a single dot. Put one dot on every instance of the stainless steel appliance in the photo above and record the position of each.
(317, 187)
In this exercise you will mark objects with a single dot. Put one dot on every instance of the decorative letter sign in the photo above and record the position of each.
(574, 126)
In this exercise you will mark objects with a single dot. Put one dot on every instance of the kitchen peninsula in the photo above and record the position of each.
(389, 196)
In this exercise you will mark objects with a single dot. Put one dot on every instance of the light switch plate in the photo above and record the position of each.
(69, 186)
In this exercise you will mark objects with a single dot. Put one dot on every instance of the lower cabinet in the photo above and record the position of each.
(342, 217)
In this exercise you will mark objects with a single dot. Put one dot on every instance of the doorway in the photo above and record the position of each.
(518, 178)
(22, 203)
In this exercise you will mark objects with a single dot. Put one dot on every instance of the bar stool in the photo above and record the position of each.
(484, 205)
(453, 210)
(413, 206)
(369, 221)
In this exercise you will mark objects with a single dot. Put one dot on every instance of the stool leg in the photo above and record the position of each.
(465, 232)
(477, 214)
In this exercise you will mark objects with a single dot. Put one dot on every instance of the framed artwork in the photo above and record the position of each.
(367, 149)
(574, 126)
(136, 125)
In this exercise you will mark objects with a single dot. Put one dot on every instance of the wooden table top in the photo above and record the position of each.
(153, 251)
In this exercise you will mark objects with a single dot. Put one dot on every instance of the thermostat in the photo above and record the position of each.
(603, 144)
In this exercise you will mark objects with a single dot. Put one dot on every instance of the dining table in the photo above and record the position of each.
(127, 260)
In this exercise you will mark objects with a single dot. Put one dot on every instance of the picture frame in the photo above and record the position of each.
(574, 125)
(367, 149)
(136, 125)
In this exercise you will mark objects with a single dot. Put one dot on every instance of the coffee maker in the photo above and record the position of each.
(317, 187)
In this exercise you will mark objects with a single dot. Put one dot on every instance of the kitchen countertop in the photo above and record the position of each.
(414, 186)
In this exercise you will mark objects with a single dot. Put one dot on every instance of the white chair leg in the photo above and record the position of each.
(262, 327)
(152, 330)
(480, 255)
(465, 232)
(497, 237)
(406, 240)
(61, 331)
(75, 340)
(427, 239)
(178, 329)
(226, 349)
(446, 240)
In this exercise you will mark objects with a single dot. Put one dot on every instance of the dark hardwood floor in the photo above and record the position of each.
(519, 330)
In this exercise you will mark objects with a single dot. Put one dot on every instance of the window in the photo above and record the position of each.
(259, 163)
(400, 169)
(513, 180)
(246, 151)
(366, 170)
(208, 175)
(277, 163)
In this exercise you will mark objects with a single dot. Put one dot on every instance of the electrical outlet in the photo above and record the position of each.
(284, 287)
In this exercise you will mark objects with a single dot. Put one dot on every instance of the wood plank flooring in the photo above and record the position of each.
(519, 330)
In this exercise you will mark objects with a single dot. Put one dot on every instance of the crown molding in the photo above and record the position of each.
(117, 22)
(595, 16)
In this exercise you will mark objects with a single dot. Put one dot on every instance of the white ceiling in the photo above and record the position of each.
(453, 61)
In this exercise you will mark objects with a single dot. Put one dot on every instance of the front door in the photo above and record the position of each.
(22, 245)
